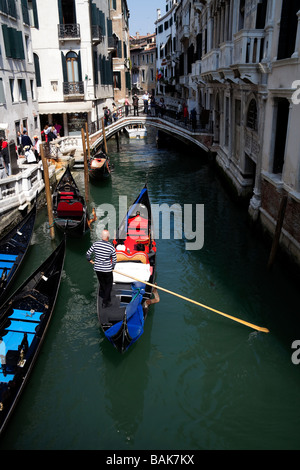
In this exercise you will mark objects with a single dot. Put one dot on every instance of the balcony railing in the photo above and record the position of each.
(249, 46)
(68, 31)
(97, 35)
(73, 89)
(112, 42)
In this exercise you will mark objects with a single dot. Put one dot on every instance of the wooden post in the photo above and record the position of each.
(104, 137)
(87, 140)
(86, 171)
(48, 191)
(280, 219)
(117, 139)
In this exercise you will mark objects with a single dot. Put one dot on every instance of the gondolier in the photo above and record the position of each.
(105, 259)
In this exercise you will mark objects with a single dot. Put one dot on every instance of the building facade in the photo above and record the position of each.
(143, 63)
(18, 92)
(167, 48)
(239, 66)
(121, 54)
(73, 62)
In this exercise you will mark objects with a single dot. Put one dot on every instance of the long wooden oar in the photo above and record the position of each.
(255, 327)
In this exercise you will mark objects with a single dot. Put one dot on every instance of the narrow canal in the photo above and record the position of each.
(195, 380)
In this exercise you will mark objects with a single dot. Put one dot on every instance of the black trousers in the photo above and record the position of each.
(106, 282)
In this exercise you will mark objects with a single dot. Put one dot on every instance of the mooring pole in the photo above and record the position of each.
(48, 191)
(104, 137)
(86, 171)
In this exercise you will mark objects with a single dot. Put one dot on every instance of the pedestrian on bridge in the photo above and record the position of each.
(135, 102)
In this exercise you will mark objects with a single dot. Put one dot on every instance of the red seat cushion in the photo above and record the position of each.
(65, 209)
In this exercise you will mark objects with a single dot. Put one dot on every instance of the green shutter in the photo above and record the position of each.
(37, 70)
(109, 28)
(6, 40)
(20, 53)
(23, 90)
(60, 13)
(35, 14)
(25, 12)
(64, 67)
(95, 67)
(79, 67)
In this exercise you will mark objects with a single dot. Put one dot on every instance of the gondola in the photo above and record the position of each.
(123, 321)
(13, 248)
(24, 319)
(99, 167)
(69, 207)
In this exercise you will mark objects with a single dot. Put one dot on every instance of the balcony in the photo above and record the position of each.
(68, 32)
(112, 43)
(97, 35)
(73, 91)
(248, 52)
(210, 66)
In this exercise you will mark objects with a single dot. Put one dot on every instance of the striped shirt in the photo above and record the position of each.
(104, 254)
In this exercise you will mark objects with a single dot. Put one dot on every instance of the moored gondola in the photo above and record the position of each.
(69, 207)
(123, 321)
(24, 320)
(13, 248)
(99, 167)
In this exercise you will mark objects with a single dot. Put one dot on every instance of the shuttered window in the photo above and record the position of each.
(37, 70)
(2, 94)
(13, 43)
(25, 12)
(22, 90)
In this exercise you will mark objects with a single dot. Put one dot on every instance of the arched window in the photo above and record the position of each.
(252, 115)
(72, 67)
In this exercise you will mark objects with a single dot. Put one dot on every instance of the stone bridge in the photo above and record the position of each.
(170, 126)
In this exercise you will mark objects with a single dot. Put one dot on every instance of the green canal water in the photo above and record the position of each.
(195, 380)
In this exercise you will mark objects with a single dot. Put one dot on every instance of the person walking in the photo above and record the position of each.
(105, 259)
(135, 102)
(126, 104)
(146, 102)
(194, 119)
(26, 140)
(185, 114)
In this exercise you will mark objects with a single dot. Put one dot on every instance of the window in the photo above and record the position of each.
(32, 89)
(12, 87)
(143, 75)
(33, 14)
(252, 115)
(288, 28)
(117, 80)
(72, 67)
(2, 94)
(22, 90)
(13, 42)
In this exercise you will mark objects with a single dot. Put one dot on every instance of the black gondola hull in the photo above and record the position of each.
(69, 207)
(13, 248)
(26, 315)
(114, 319)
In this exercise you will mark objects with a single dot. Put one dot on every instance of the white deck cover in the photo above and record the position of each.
(138, 270)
